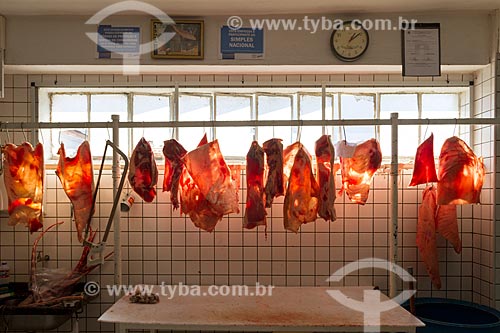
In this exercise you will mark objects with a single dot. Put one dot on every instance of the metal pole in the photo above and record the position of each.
(34, 113)
(323, 107)
(175, 130)
(393, 245)
(116, 218)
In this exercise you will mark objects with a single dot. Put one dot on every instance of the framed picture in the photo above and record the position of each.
(186, 42)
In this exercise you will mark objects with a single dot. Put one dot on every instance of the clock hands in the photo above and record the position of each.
(354, 35)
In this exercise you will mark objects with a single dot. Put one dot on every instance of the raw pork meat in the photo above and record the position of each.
(424, 170)
(194, 204)
(211, 174)
(302, 195)
(255, 211)
(447, 225)
(358, 170)
(174, 152)
(23, 178)
(275, 185)
(426, 234)
(143, 174)
(461, 174)
(289, 159)
(325, 156)
(77, 179)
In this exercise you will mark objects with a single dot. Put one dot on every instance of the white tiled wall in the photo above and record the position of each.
(161, 246)
(496, 227)
(483, 215)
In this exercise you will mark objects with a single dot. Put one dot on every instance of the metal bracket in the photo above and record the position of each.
(95, 256)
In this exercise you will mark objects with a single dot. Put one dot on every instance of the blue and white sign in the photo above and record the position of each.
(119, 41)
(242, 43)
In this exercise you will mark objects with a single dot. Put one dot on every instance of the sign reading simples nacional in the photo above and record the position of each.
(242, 43)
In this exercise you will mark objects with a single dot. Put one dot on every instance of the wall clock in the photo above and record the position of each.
(349, 42)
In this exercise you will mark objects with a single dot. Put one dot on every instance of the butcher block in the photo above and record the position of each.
(304, 309)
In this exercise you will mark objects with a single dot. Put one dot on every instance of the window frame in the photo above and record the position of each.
(294, 94)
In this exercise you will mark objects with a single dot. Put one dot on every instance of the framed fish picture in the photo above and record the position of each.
(182, 40)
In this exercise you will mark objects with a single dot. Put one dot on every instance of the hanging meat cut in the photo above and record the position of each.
(194, 204)
(426, 234)
(211, 174)
(77, 179)
(289, 159)
(275, 185)
(174, 152)
(302, 195)
(255, 210)
(325, 157)
(143, 174)
(357, 171)
(424, 170)
(447, 225)
(461, 174)
(23, 178)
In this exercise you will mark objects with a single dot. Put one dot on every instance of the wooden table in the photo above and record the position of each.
(305, 309)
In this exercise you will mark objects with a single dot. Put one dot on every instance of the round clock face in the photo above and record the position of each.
(350, 42)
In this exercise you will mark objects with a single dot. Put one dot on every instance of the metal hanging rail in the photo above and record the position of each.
(251, 123)
(394, 122)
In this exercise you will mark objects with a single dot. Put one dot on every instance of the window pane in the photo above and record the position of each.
(193, 108)
(68, 108)
(101, 109)
(439, 106)
(358, 107)
(152, 108)
(234, 141)
(276, 108)
(406, 105)
(310, 109)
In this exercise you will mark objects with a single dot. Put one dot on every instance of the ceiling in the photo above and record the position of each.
(253, 7)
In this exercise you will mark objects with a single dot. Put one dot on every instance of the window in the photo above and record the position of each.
(244, 104)
(358, 107)
(146, 108)
(276, 107)
(406, 105)
(234, 141)
(311, 109)
(194, 108)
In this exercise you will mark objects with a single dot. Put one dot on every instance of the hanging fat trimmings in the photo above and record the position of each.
(358, 170)
(461, 174)
(302, 195)
(23, 178)
(255, 210)
(173, 152)
(424, 170)
(325, 174)
(426, 235)
(77, 179)
(432, 219)
(143, 174)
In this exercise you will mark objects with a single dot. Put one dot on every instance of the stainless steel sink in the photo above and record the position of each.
(33, 319)
(15, 318)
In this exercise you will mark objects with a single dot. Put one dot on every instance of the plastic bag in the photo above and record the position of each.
(48, 284)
